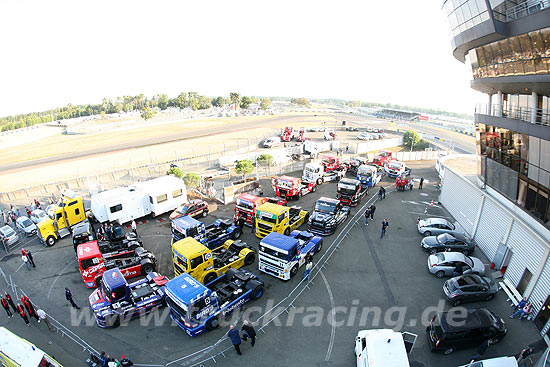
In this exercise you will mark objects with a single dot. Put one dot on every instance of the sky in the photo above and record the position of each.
(60, 52)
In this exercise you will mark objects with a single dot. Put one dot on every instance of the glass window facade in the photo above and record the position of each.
(517, 166)
(526, 54)
(465, 14)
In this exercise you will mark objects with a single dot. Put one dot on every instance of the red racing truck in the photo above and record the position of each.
(288, 134)
(383, 157)
(131, 262)
(331, 163)
(246, 204)
(301, 135)
(288, 187)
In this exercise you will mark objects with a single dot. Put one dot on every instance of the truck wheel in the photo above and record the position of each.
(287, 231)
(249, 259)
(319, 181)
(147, 268)
(306, 218)
(213, 323)
(257, 292)
(98, 282)
(209, 277)
(236, 233)
(314, 188)
(114, 321)
(50, 241)
(204, 213)
(319, 246)
(293, 271)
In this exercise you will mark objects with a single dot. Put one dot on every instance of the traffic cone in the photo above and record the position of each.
(432, 203)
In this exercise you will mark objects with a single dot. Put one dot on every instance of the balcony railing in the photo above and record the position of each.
(522, 10)
(540, 117)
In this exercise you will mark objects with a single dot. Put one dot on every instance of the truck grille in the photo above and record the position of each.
(265, 227)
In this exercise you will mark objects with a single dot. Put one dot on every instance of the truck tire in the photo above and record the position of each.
(50, 241)
(147, 267)
(209, 277)
(319, 246)
(319, 180)
(213, 323)
(294, 271)
(114, 321)
(249, 259)
(306, 218)
(236, 233)
(257, 292)
(204, 213)
(98, 281)
(287, 231)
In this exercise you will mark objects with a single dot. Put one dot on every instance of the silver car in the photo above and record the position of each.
(38, 215)
(454, 263)
(437, 226)
(26, 226)
(8, 236)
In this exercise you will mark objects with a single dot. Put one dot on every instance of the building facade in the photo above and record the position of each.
(507, 45)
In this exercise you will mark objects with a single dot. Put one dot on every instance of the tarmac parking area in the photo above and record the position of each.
(367, 282)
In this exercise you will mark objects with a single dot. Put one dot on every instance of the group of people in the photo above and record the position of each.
(25, 309)
(369, 215)
(235, 336)
(107, 361)
(109, 231)
(27, 258)
(523, 309)
(10, 217)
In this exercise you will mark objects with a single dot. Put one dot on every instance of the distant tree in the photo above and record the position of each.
(300, 101)
(162, 101)
(192, 180)
(245, 102)
(219, 102)
(235, 98)
(254, 100)
(354, 104)
(244, 167)
(410, 138)
(175, 171)
(265, 103)
(147, 113)
(265, 160)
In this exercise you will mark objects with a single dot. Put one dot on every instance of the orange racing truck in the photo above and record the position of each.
(288, 187)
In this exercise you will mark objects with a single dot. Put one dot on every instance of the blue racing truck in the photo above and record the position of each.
(212, 236)
(197, 308)
(369, 175)
(115, 300)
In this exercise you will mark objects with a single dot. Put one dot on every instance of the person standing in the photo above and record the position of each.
(108, 232)
(26, 262)
(249, 332)
(367, 216)
(10, 301)
(235, 338)
(3, 217)
(524, 354)
(69, 297)
(6, 306)
(421, 183)
(372, 210)
(29, 307)
(28, 212)
(125, 361)
(43, 317)
(307, 271)
(28, 254)
(240, 223)
(18, 213)
(385, 225)
(134, 228)
(481, 349)
(380, 193)
(23, 314)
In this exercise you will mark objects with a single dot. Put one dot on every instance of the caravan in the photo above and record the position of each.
(156, 196)
(383, 348)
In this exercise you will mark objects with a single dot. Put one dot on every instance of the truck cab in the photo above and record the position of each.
(62, 216)
(369, 175)
(395, 168)
(281, 256)
(192, 257)
(327, 216)
(288, 134)
(330, 163)
(212, 236)
(301, 135)
(287, 187)
(245, 207)
(355, 162)
(197, 308)
(277, 218)
(115, 300)
(350, 192)
(330, 134)
(383, 157)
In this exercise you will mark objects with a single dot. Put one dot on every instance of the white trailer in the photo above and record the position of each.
(156, 196)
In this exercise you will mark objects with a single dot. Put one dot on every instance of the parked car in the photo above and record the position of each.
(469, 288)
(192, 208)
(8, 236)
(37, 215)
(363, 136)
(448, 242)
(448, 263)
(274, 141)
(25, 225)
(494, 362)
(449, 331)
(436, 226)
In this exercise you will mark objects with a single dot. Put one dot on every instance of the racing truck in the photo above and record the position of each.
(281, 256)
(197, 308)
(329, 134)
(395, 168)
(383, 157)
(288, 134)
(277, 218)
(93, 264)
(331, 163)
(328, 215)
(403, 183)
(116, 301)
(288, 187)
(301, 135)
(355, 162)
(205, 265)
(350, 192)
(315, 173)
(212, 236)
(369, 175)
(246, 205)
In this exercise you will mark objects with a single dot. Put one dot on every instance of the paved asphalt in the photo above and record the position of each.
(365, 271)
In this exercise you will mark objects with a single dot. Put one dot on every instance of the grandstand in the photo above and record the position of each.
(388, 113)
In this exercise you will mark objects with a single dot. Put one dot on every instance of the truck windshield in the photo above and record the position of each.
(112, 295)
(271, 252)
(188, 232)
(394, 165)
(244, 204)
(176, 308)
(86, 263)
(325, 207)
(267, 217)
(310, 169)
(365, 172)
(284, 184)
(346, 189)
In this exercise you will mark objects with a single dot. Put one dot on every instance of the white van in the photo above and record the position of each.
(274, 141)
(494, 362)
(383, 348)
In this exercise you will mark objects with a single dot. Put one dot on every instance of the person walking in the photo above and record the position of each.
(235, 338)
(421, 183)
(385, 225)
(367, 216)
(523, 312)
(240, 223)
(26, 262)
(524, 354)
(29, 307)
(10, 301)
(481, 349)
(28, 254)
(6, 306)
(134, 228)
(23, 314)
(307, 271)
(249, 332)
(372, 210)
(43, 317)
(69, 297)
(125, 361)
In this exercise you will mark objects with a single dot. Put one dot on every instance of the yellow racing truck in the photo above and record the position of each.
(205, 265)
(67, 212)
(277, 218)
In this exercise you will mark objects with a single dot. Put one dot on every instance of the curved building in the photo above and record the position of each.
(507, 45)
